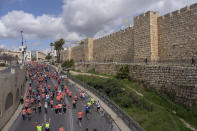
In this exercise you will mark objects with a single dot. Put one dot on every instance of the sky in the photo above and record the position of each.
(45, 21)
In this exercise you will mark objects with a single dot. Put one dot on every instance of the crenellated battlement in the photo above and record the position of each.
(114, 34)
(179, 12)
(145, 15)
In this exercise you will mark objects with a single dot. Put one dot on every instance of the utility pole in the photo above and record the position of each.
(23, 49)
(22, 37)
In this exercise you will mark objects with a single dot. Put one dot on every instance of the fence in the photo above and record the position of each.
(134, 126)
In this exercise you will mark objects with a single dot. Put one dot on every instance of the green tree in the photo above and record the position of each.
(51, 45)
(58, 47)
(48, 57)
(68, 63)
(33, 59)
(123, 72)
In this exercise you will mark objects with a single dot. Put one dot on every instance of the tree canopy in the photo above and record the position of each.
(58, 47)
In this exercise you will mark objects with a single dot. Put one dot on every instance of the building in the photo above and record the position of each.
(13, 53)
(28, 56)
(40, 56)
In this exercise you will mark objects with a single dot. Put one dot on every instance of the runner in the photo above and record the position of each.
(47, 125)
(39, 127)
(98, 106)
(80, 115)
(23, 113)
(61, 128)
(74, 104)
(29, 112)
(64, 108)
(51, 103)
(45, 106)
(87, 108)
(39, 107)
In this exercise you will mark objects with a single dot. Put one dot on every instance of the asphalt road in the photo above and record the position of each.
(98, 120)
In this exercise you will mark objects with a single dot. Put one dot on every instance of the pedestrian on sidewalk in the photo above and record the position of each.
(21, 100)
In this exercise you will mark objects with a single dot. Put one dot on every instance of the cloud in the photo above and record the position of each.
(47, 50)
(37, 44)
(42, 27)
(82, 18)
(3, 46)
(97, 18)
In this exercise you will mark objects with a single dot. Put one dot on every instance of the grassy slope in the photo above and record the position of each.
(160, 118)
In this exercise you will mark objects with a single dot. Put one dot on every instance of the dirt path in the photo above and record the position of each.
(88, 74)
(188, 125)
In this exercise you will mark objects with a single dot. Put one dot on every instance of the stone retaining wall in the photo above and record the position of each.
(10, 85)
(178, 82)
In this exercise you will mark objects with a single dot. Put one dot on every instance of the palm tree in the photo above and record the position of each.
(51, 45)
(58, 47)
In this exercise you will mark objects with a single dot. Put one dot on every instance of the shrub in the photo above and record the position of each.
(92, 71)
(126, 101)
(68, 63)
(2, 64)
(112, 87)
(123, 72)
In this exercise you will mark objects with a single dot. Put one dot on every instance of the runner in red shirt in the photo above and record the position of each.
(75, 97)
(51, 103)
(65, 87)
(32, 100)
(70, 94)
(29, 112)
(61, 129)
(43, 96)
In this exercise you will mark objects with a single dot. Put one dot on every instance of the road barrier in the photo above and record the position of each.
(134, 126)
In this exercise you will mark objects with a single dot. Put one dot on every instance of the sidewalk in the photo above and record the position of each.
(16, 114)
(88, 74)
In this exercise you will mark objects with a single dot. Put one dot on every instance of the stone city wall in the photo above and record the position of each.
(78, 53)
(116, 47)
(177, 32)
(12, 87)
(178, 82)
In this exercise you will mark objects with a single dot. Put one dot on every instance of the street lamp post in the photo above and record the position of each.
(23, 49)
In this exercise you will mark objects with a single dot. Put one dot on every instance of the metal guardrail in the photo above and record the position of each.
(134, 126)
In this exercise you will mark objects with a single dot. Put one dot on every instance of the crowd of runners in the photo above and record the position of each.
(41, 96)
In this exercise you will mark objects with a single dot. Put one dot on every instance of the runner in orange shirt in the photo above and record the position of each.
(80, 115)
(61, 128)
